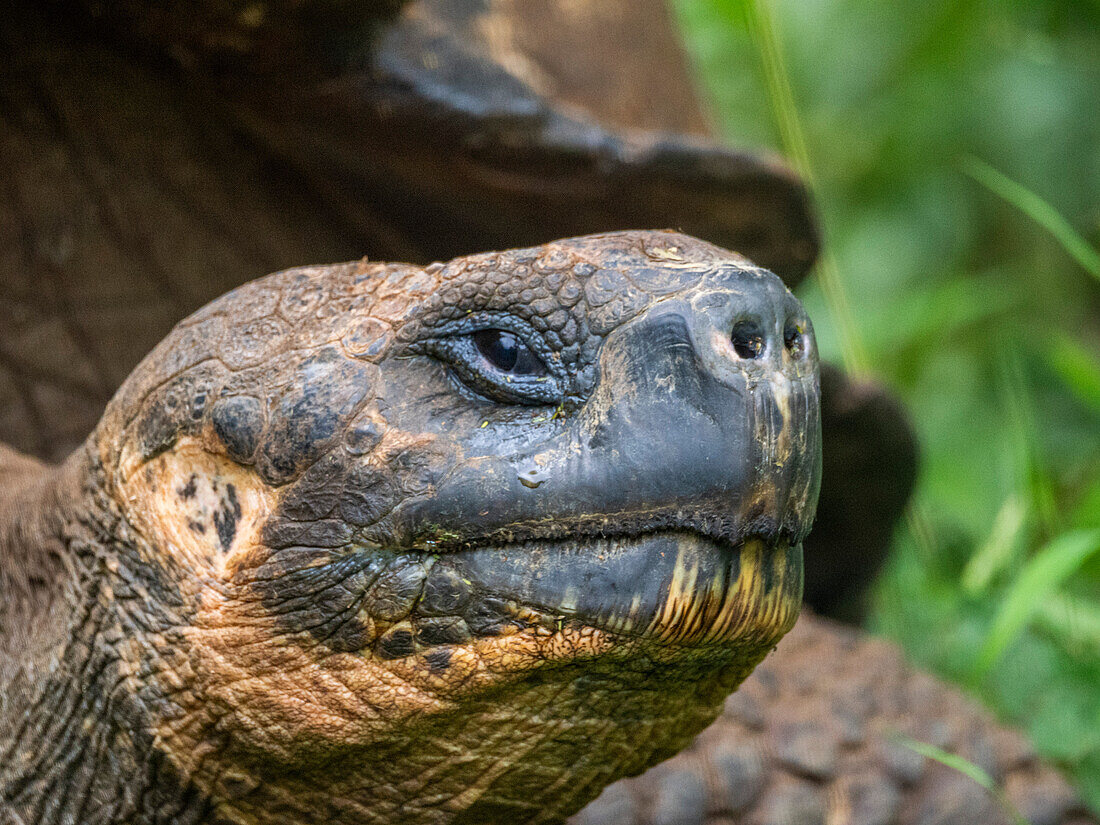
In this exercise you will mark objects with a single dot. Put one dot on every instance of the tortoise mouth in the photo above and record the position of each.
(674, 587)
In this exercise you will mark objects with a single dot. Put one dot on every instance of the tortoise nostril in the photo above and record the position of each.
(794, 339)
(748, 339)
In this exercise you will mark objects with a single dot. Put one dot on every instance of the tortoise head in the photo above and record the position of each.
(463, 541)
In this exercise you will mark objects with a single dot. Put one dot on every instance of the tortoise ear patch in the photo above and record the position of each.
(202, 508)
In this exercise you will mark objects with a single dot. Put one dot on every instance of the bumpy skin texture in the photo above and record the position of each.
(319, 574)
(814, 737)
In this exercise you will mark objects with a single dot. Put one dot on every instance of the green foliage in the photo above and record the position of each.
(954, 149)
(997, 553)
(1044, 572)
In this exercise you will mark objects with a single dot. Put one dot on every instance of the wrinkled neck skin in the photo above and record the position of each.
(74, 746)
(38, 582)
(96, 659)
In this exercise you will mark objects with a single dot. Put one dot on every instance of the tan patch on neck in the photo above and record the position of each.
(203, 509)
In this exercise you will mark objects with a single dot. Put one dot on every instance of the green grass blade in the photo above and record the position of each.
(1050, 566)
(993, 556)
(965, 767)
(1074, 622)
(1038, 210)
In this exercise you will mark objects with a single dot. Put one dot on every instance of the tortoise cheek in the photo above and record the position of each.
(203, 509)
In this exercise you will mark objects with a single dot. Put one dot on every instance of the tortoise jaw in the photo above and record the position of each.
(674, 589)
(670, 587)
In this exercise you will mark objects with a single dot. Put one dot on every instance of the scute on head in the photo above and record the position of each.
(390, 542)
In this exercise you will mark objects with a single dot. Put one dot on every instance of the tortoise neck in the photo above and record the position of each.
(34, 567)
(74, 746)
(39, 589)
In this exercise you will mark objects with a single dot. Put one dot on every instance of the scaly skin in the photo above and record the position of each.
(320, 562)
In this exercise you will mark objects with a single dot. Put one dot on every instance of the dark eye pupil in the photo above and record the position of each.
(501, 349)
(508, 353)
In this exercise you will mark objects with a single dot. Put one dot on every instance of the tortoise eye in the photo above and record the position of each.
(502, 365)
(508, 353)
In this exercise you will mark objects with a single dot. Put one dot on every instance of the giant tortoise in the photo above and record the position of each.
(461, 541)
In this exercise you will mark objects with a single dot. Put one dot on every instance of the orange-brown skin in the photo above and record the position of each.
(298, 527)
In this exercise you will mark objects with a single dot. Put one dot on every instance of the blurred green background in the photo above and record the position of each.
(955, 150)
